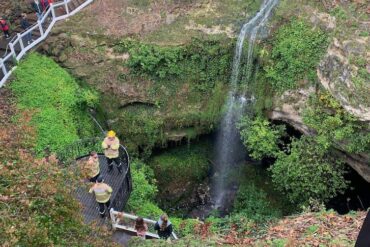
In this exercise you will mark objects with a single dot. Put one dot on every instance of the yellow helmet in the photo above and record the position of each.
(111, 133)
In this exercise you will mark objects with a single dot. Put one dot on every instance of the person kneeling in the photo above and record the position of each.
(164, 227)
(141, 227)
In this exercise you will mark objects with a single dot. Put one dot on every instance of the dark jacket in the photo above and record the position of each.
(25, 24)
(166, 233)
(37, 7)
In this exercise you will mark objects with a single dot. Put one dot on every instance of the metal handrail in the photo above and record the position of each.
(13, 57)
(115, 217)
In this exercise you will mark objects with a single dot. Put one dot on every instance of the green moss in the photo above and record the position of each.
(57, 101)
(179, 171)
(182, 164)
(296, 51)
(186, 85)
(336, 127)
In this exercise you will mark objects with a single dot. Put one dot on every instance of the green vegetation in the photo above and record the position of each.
(361, 80)
(181, 164)
(179, 171)
(37, 204)
(56, 100)
(186, 87)
(336, 127)
(260, 137)
(202, 62)
(253, 203)
(296, 51)
(141, 200)
(299, 170)
(308, 172)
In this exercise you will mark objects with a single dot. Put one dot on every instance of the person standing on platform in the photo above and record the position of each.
(111, 151)
(37, 7)
(44, 5)
(102, 193)
(92, 168)
(25, 25)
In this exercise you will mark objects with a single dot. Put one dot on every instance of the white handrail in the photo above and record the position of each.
(13, 57)
(114, 215)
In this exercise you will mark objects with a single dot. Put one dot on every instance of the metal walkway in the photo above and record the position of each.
(13, 50)
(75, 154)
(114, 179)
(122, 223)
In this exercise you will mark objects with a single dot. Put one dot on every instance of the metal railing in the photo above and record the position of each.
(126, 222)
(82, 148)
(19, 45)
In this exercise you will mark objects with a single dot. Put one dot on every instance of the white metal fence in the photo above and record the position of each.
(19, 45)
(126, 222)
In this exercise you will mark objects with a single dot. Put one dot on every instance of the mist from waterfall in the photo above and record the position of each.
(229, 148)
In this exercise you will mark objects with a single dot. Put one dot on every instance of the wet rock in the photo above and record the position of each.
(354, 47)
(323, 20)
(289, 108)
(170, 18)
(203, 194)
(335, 74)
(365, 26)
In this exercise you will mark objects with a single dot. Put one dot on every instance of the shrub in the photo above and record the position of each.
(260, 137)
(144, 191)
(335, 126)
(308, 172)
(295, 54)
(252, 203)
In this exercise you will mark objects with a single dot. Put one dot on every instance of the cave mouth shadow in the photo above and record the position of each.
(355, 198)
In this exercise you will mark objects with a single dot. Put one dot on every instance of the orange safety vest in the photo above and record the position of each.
(111, 152)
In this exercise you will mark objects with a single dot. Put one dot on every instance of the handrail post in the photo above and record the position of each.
(20, 40)
(40, 27)
(12, 51)
(66, 5)
(52, 11)
(113, 219)
(3, 67)
(43, 33)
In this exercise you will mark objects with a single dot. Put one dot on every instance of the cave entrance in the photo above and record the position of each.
(355, 198)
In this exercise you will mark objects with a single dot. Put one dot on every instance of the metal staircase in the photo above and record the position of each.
(18, 46)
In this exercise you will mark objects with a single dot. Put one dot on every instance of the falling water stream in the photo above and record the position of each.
(229, 148)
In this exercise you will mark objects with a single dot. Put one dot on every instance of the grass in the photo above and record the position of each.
(55, 98)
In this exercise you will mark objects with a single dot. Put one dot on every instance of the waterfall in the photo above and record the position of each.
(229, 148)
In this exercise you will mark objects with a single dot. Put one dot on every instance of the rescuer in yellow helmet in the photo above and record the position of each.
(102, 193)
(111, 145)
